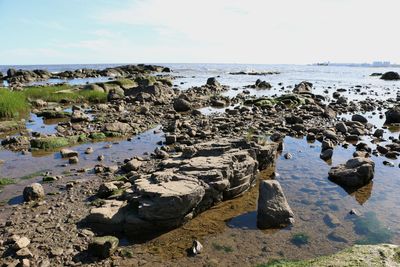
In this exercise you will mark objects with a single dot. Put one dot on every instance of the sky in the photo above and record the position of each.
(193, 31)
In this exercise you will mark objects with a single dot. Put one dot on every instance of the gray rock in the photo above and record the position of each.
(359, 118)
(355, 173)
(393, 115)
(73, 160)
(212, 81)
(182, 105)
(326, 154)
(303, 88)
(33, 192)
(273, 209)
(132, 165)
(68, 153)
(390, 76)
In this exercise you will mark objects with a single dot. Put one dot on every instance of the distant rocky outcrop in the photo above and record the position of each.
(27, 76)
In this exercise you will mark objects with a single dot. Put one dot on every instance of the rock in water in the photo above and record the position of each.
(273, 209)
(213, 82)
(393, 115)
(103, 247)
(303, 88)
(390, 76)
(33, 192)
(355, 173)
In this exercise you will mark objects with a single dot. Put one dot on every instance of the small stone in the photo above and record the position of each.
(68, 153)
(103, 247)
(25, 263)
(24, 253)
(89, 150)
(326, 154)
(56, 251)
(23, 242)
(288, 156)
(73, 160)
(196, 248)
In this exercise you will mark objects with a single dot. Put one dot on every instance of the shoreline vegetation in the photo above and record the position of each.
(199, 165)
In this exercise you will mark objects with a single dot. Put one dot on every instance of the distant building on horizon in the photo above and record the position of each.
(381, 64)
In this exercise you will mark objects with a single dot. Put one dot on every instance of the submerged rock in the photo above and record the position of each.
(356, 172)
(273, 209)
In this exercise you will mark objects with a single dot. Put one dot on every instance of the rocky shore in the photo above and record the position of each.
(202, 161)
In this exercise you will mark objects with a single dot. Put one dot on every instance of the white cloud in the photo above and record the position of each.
(265, 31)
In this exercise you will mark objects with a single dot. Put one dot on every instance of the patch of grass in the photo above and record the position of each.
(63, 92)
(12, 104)
(372, 229)
(32, 175)
(300, 239)
(226, 249)
(6, 181)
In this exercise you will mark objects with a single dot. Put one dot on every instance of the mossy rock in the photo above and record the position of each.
(54, 142)
(53, 114)
(358, 255)
(10, 126)
(146, 81)
(125, 83)
(97, 136)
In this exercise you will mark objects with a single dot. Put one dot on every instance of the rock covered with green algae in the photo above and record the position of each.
(385, 255)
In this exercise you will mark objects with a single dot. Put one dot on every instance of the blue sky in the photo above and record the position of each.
(219, 31)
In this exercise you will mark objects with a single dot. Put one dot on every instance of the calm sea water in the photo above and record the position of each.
(196, 74)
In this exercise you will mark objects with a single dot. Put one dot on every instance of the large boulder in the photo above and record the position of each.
(356, 173)
(390, 76)
(393, 115)
(33, 192)
(273, 210)
(182, 187)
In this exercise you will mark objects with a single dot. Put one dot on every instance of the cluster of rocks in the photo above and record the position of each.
(27, 76)
(175, 189)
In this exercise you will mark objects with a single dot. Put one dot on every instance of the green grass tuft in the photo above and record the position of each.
(12, 104)
(6, 181)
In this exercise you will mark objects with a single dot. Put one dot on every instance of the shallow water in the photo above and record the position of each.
(304, 178)
(18, 165)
